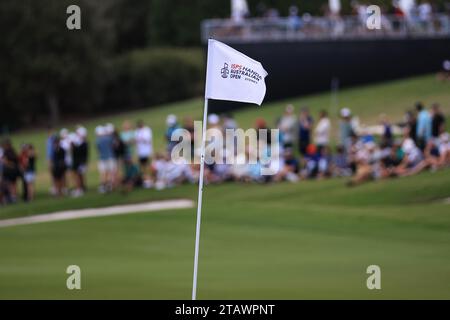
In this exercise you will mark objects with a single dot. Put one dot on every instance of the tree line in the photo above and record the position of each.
(127, 53)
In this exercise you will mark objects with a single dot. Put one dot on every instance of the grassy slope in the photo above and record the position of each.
(367, 102)
(308, 240)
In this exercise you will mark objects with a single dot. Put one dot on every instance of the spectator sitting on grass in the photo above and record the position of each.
(290, 167)
(324, 163)
(413, 161)
(132, 177)
(339, 166)
(311, 161)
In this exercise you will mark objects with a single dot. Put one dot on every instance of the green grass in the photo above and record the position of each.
(292, 241)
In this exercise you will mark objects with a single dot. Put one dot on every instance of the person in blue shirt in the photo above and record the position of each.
(106, 163)
(172, 126)
(424, 126)
(49, 155)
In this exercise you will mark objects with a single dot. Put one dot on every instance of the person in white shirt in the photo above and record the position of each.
(288, 126)
(425, 12)
(144, 149)
(66, 143)
(322, 131)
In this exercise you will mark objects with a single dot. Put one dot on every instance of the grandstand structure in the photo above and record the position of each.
(313, 54)
(324, 28)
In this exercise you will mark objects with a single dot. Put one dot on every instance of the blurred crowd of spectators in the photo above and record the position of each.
(126, 158)
(402, 16)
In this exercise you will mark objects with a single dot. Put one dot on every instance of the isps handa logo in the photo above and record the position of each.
(224, 71)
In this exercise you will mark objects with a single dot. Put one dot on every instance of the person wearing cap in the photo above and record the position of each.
(213, 120)
(345, 127)
(80, 153)
(172, 126)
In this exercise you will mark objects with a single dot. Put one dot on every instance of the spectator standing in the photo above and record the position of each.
(305, 127)
(144, 148)
(345, 128)
(127, 136)
(438, 120)
(66, 144)
(3, 191)
(49, 154)
(11, 171)
(172, 126)
(80, 154)
(322, 131)
(119, 150)
(188, 125)
(294, 21)
(386, 136)
(28, 164)
(411, 124)
(424, 126)
(106, 163)
(59, 166)
(425, 13)
(288, 127)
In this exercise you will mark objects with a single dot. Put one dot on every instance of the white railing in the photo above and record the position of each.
(310, 28)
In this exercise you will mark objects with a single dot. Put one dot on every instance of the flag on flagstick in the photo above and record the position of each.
(231, 76)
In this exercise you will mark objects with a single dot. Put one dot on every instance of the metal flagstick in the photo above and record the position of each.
(199, 204)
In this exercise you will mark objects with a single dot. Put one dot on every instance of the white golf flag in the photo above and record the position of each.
(233, 76)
